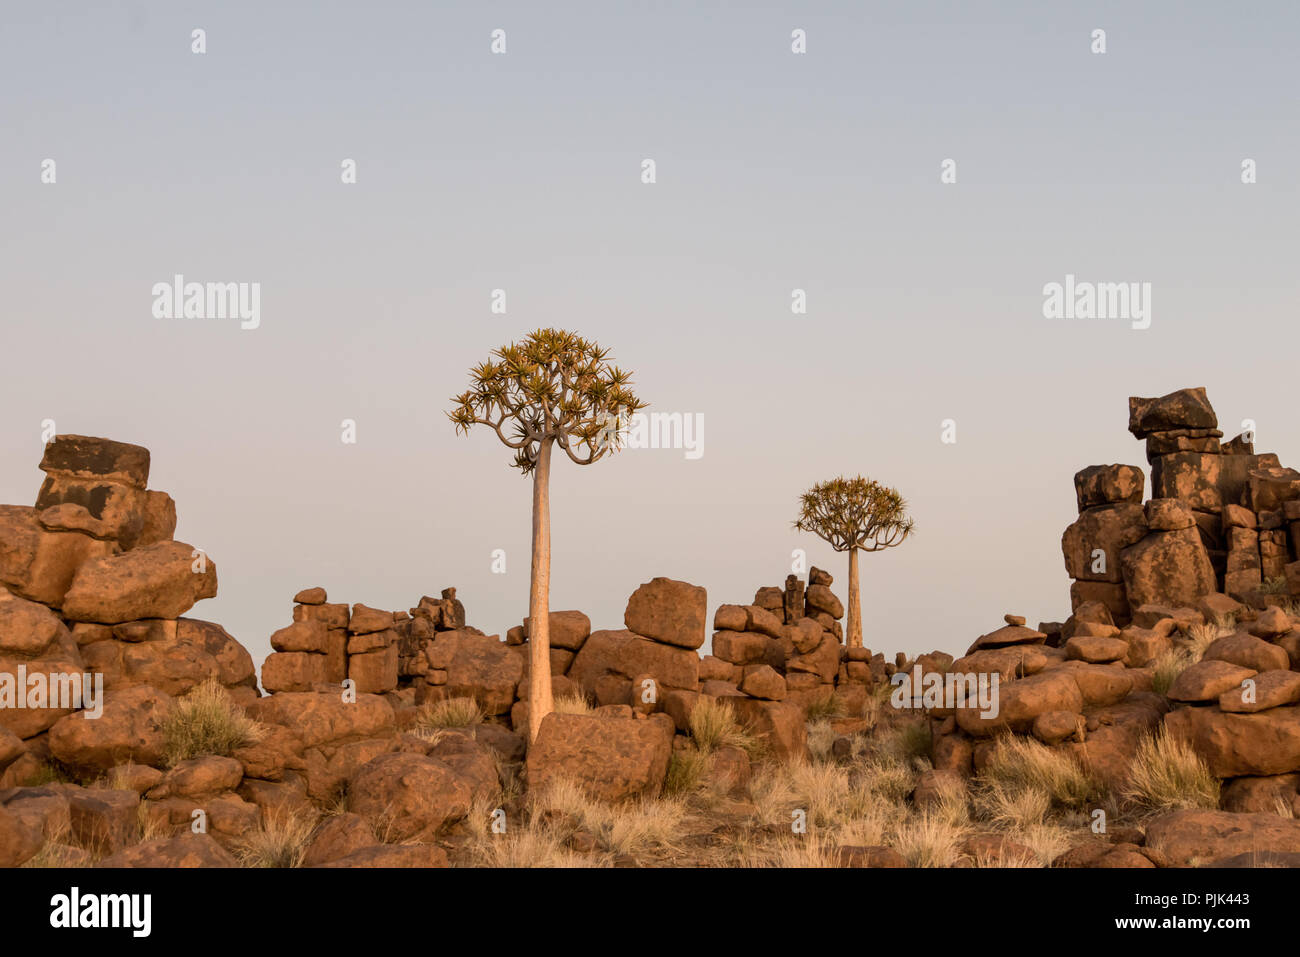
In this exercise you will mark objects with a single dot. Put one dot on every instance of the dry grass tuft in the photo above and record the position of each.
(1168, 775)
(1024, 781)
(207, 721)
(449, 713)
(714, 725)
(279, 841)
(573, 704)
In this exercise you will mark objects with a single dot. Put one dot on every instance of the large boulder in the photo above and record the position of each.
(26, 627)
(1184, 409)
(780, 725)
(1193, 477)
(1236, 745)
(481, 667)
(129, 729)
(336, 837)
(391, 856)
(1268, 689)
(1108, 485)
(406, 796)
(568, 629)
(38, 563)
(1019, 702)
(1167, 568)
(821, 598)
(1247, 651)
(19, 840)
(1206, 680)
(628, 655)
(162, 580)
(187, 653)
(1005, 636)
(1107, 529)
(612, 758)
(668, 611)
(184, 850)
(318, 718)
(1196, 838)
(60, 668)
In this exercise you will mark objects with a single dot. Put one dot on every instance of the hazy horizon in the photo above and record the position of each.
(775, 171)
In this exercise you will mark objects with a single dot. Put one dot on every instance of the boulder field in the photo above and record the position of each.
(1182, 626)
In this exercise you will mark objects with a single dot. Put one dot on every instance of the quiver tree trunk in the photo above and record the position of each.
(540, 702)
(853, 629)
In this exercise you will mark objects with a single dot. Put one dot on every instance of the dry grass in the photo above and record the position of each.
(1024, 781)
(1168, 775)
(1187, 651)
(686, 769)
(448, 713)
(927, 840)
(526, 847)
(820, 738)
(573, 704)
(714, 725)
(207, 721)
(649, 825)
(57, 851)
(825, 707)
(280, 840)
(810, 850)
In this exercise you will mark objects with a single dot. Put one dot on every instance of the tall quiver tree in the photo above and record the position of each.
(854, 515)
(554, 389)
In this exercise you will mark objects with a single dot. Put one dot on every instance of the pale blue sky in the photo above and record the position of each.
(521, 171)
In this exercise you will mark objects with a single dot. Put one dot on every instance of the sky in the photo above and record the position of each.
(522, 171)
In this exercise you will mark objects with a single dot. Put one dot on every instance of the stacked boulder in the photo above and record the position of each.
(1239, 708)
(382, 652)
(786, 646)
(1081, 697)
(622, 749)
(1216, 522)
(93, 589)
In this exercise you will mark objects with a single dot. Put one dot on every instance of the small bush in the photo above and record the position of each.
(207, 721)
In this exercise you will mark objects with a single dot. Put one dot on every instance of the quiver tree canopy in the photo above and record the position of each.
(553, 385)
(855, 513)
